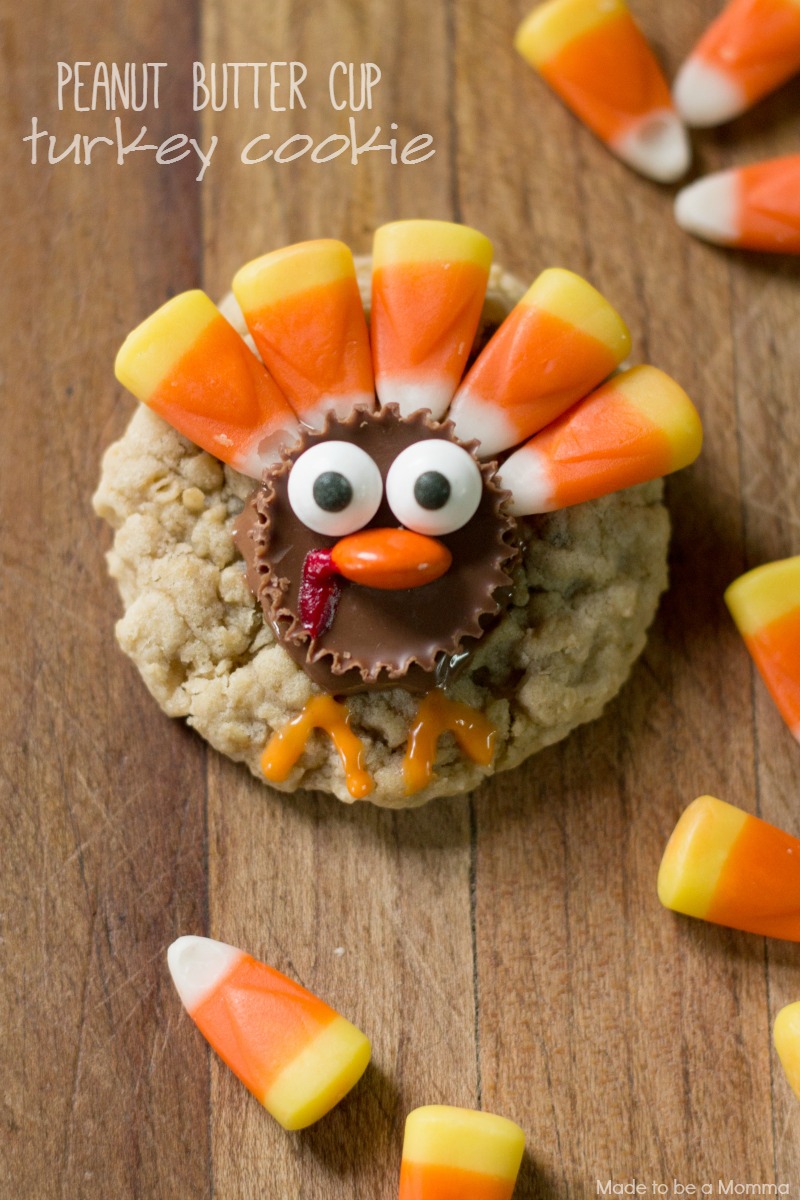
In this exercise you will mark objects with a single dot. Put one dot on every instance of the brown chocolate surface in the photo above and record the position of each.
(416, 637)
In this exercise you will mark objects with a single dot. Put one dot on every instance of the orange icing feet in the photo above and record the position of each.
(321, 712)
(437, 715)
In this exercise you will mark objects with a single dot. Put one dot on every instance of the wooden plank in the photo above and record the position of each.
(103, 799)
(295, 880)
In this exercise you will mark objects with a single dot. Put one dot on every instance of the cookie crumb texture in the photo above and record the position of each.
(585, 592)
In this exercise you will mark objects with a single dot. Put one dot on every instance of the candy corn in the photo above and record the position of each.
(593, 54)
(637, 426)
(725, 866)
(294, 1053)
(786, 1035)
(428, 284)
(303, 308)
(192, 368)
(751, 48)
(559, 342)
(755, 207)
(765, 604)
(449, 1153)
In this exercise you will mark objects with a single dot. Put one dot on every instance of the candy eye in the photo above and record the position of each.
(434, 487)
(335, 488)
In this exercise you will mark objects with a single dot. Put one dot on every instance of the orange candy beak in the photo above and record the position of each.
(390, 559)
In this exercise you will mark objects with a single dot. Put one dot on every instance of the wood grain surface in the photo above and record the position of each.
(505, 950)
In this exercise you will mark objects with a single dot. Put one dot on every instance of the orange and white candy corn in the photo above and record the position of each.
(724, 865)
(190, 366)
(749, 50)
(786, 1036)
(450, 1153)
(637, 426)
(291, 1050)
(755, 207)
(303, 308)
(595, 57)
(765, 604)
(560, 341)
(428, 285)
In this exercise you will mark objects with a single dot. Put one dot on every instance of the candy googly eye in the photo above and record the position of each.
(434, 487)
(335, 488)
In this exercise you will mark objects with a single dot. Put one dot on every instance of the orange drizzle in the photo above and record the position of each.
(430, 1181)
(759, 887)
(437, 715)
(321, 712)
(609, 77)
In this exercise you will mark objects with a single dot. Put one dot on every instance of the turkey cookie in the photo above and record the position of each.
(388, 562)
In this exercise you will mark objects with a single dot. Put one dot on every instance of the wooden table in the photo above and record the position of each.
(504, 951)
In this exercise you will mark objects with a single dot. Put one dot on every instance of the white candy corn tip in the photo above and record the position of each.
(709, 207)
(412, 396)
(704, 96)
(475, 419)
(525, 476)
(657, 146)
(198, 965)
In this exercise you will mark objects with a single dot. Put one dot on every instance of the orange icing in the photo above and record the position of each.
(756, 42)
(258, 1021)
(219, 388)
(430, 1181)
(437, 715)
(321, 712)
(776, 651)
(424, 317)
(536, 366)
(609, 77)
(769, 209)
(759, 887)
(315, 343)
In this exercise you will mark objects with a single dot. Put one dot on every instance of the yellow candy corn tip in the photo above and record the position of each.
(430, 241)
(550, 27)
(696, 854)
(786, 1037)
(575, 301)
(292, 269)
(762, 595)
(321, 1075)
(482, 1142)
(664, 402)
(151, 350)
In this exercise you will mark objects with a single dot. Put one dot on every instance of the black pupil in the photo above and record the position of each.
(432, 490)
(332, 491)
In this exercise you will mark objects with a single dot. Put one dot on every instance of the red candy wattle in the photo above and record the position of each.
(319, 592)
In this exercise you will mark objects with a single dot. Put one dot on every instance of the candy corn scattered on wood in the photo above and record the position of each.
(725, 866)
(786, 1036)
(303, 308)
(294, 1053)
(595, 57)
(558, 343)
(454, 1153)
(189, 365)
(750, 49)
(755, 207)
(637, 426)
(765, 604)
(428, 285)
